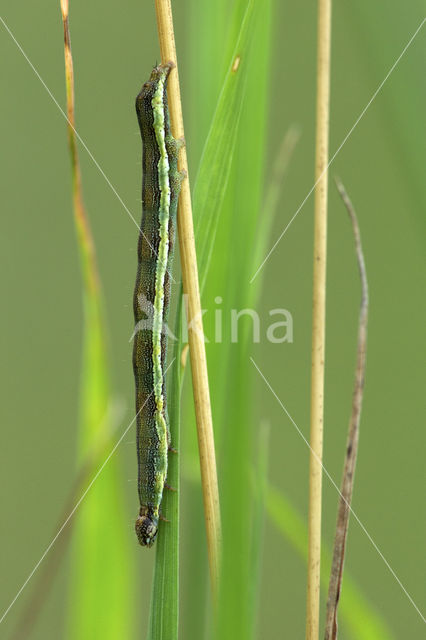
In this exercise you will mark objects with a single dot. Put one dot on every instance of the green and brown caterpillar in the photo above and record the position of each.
(160, 192)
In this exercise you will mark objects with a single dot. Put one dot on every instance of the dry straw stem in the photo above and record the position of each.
(90, 272)
(353, 433)
(194, 317)
(318, 319)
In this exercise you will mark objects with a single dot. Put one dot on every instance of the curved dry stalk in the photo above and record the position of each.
(194, 316)
(90, 271)
(318, 319)
(353, 434)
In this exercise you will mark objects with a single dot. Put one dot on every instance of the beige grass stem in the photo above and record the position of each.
(348, 476)
(318, 319)
(194, 317)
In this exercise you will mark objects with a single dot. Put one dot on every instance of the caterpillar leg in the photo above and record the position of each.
(174, 145)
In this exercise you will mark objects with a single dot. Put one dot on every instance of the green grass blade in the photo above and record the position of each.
(234, 424)
(209, 24)
(101, 577)
(101, 569)
(212, 180)
(356, 613)
(259, 491)
(216, 161)
(236, 137)
(164, 615)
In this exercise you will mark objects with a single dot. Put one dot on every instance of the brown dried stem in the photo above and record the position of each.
(85, 239)
(353, 434)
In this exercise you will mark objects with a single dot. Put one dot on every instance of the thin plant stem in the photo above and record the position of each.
(86, 244)
(318, 320)
(346, 488)
(193, 307)
(89, 568)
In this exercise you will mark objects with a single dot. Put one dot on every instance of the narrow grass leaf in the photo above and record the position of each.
(215, 169)
(232, 262)
(259, 491)
(216, 161)
(164, 615)
(101, 577)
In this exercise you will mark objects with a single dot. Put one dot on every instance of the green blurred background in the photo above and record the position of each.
(382, 166)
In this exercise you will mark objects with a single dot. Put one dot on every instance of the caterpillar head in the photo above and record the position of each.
(146, 527)
(160, 73)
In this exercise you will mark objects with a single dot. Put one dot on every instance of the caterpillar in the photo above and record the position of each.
(161, 182)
